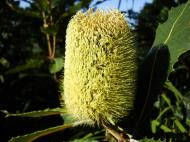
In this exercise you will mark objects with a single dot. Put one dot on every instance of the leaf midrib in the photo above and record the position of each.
(175, 22)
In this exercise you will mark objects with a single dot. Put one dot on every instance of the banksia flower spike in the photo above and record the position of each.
(100, 67)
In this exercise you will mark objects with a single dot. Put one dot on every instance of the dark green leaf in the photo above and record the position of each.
(149, 140)
(30, 64)
(73, 9)
(43, 5)
(151, 77)
(172, 88)
(51, 30)
(25, 12)
(186, 102)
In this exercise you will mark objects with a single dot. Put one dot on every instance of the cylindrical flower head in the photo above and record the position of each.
(100, 67)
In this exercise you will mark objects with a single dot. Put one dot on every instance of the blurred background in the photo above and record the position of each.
(32, 46)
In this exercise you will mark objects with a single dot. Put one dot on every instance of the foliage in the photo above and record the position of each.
(31, 61)
(172, 104)
(174, 31)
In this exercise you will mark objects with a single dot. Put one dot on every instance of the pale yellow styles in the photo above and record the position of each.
(100, 67)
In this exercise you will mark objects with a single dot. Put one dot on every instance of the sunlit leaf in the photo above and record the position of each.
(154, 125)
(57, 65)
(165, 128)
(180, 126)
(175, 31)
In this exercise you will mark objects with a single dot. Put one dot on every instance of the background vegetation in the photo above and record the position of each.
(32, 42)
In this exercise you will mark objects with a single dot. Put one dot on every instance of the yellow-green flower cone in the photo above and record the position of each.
(100, 67)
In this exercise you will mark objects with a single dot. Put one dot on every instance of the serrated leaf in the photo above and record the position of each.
(175, 32)
(33, 136)
(40, 113)
(57, 65)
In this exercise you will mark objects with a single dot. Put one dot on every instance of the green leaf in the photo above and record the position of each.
(165, 129)
(51, 30)
(73, 9)
(30, 64)
(57, 65)
(180, 126)
(90, 137)
(26, 12)
(186, 102)
(40, 113)
(33, 136)
(149, 140)
(43, 5)
(154, 125)
(172, 88)
(175, 32)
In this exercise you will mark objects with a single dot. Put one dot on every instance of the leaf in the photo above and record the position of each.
(154, 125)
(40, 113)
(26, 12)
(90, 137)
(30, 64)
(180, 126)
(186, 102)
(165, 129)
(51, 30)
(73, 9)
(175, 32)
(151, 77)
(85, 3)
(149, 140)
(172, 88)
(55, 3)
(57, 65)
(33, 136)
(43, 5)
